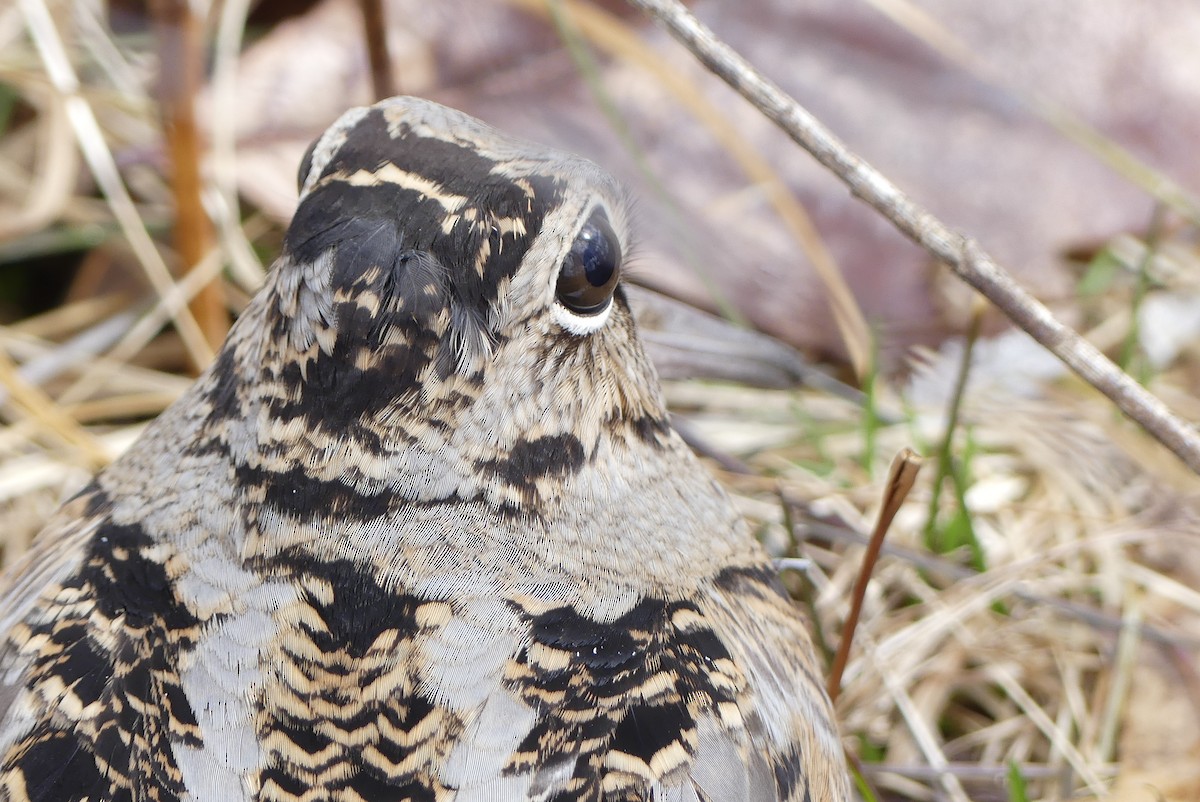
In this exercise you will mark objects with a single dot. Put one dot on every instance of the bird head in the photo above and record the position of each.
(447, 318)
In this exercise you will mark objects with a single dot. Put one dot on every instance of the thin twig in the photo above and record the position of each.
(1058, 739)
(900, 480)
(97, 40)
(968, 261)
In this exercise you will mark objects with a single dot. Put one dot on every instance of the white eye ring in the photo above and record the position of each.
(579, 324)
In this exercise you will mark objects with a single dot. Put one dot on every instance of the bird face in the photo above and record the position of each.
(449, 303)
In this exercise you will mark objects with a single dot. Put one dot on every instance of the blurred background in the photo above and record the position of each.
(1032, 629)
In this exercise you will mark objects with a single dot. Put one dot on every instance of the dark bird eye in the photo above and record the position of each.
(589, 274)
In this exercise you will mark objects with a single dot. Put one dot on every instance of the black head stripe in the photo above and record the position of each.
(443, 198)
(419, 234)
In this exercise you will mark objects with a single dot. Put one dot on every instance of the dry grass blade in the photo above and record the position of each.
(42, 410)
(50, 180)
(104, 168)
(1127, 648)
(922, 732)
(146, 328)
(1060, 739)
(96, 39)
(968, 261)
(84, 347)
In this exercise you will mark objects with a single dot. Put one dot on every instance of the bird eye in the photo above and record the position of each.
(589, 274)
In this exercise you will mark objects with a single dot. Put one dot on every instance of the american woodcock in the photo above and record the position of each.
(422, 532)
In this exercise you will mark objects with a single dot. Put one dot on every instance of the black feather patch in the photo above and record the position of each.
(115, 633)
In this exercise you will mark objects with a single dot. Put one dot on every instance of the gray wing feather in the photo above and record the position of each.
(54, 555)
(723, 771)
(679, 793)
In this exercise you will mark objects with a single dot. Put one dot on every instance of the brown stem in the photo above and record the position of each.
(375, 26)
(180, 65)
(900, 480)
